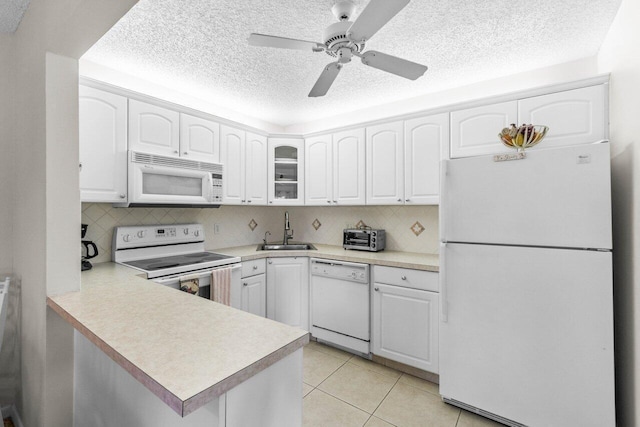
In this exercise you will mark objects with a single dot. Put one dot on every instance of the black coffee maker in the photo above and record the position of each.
(89, 250)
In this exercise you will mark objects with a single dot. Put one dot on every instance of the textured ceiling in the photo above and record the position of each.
(11, 12)
(199, 47)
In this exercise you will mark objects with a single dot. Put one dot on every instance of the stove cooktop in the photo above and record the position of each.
(185, 260)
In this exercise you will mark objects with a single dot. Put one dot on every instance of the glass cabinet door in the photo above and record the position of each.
(286, 171)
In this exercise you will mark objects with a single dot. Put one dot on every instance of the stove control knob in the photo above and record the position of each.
(141, 233)
(196, 233)
(185, 231)
(126, 237)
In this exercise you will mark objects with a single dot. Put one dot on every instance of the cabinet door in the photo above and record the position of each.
(199, 139)
(254, 295)
(405, 326)
(103, 146)
(256, 169)
(385, 169)
(286, 171)
(288, 291)
(153, 129)
(574, 117)
(232, 151)
(349, 167)
(425, 138)
(474, 131)
(318, 170)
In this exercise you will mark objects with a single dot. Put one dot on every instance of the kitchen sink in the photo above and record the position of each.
(287, 247)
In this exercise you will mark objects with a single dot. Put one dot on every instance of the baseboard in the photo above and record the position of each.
(11, 411)
(425, 375)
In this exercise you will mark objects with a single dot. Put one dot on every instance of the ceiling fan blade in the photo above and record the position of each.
(325, 80)
(282, 42)
(393, 64)
(373, 17)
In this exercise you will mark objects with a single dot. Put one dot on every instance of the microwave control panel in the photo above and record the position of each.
(216, 190)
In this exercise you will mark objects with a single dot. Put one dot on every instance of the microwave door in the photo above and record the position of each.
(159, 184)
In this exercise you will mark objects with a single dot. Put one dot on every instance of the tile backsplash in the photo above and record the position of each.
(409, 228)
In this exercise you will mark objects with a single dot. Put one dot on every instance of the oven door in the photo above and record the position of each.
(204, 279)
(155, 184)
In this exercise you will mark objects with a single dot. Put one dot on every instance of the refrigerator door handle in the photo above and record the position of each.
(443, 195)
(444, 312)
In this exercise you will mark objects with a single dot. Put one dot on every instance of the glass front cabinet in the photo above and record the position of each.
(286, 173)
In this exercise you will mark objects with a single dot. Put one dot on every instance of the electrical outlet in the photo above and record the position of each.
(216, 228)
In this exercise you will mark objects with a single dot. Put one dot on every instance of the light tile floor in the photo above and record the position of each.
(344, 390)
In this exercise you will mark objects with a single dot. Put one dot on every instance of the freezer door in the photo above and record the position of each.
(528, 333)
(555, 197)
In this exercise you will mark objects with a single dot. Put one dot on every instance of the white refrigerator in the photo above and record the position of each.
(526, 331)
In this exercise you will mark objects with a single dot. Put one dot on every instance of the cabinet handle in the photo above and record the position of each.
(376, 289)
(176, 152)
(255, 267)
(399, 200)
(242, 201)
(245, 284)
(248, 201)
(270, 201)
(80, 166)
(407, 200)
(335, 201)
(270, 262)
(328, 201)
(403, 277)
(123, 196)
(185, 153)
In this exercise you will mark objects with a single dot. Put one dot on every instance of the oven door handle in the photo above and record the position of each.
(203, 273)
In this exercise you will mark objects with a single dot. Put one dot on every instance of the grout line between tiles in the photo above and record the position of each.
(385, 396)
(344, 401)
(458, 419)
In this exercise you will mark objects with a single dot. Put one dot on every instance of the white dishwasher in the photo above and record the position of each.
(340, 303)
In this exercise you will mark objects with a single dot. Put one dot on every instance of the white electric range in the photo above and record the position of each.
(168, 253)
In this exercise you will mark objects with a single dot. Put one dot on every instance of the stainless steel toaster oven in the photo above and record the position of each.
(366, 239)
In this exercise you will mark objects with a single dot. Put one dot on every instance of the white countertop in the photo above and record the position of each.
(417, 261)
(185, 349)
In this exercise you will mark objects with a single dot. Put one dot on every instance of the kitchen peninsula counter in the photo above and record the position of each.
(416, 261)
(188, 351)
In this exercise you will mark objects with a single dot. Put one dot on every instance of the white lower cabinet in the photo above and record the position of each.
(253, 293)
(288, 291)
(405, 319)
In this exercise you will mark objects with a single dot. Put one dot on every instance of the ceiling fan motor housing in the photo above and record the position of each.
(335, 37)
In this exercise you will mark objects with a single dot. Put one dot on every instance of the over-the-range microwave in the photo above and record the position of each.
(156, 180)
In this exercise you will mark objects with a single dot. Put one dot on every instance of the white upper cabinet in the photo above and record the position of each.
(335, 169)
(103, 146)
(244, 155)
(199, 139)
(286, 171)
(256, 169)
(153, 129)
(474, 131)
(574, 117)
(232, 151)
(318, 170)
(349, 177)
(426, 139)
(385, 164)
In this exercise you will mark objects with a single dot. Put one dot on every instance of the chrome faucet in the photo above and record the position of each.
(265, 236)
(287, 228)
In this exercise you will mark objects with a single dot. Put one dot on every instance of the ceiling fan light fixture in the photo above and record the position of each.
(343, 10)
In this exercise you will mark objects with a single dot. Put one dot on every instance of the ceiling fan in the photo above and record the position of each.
(346, 39)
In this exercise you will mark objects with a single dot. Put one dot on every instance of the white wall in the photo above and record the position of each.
(45, 247)
(620, 55)
(6, 154)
